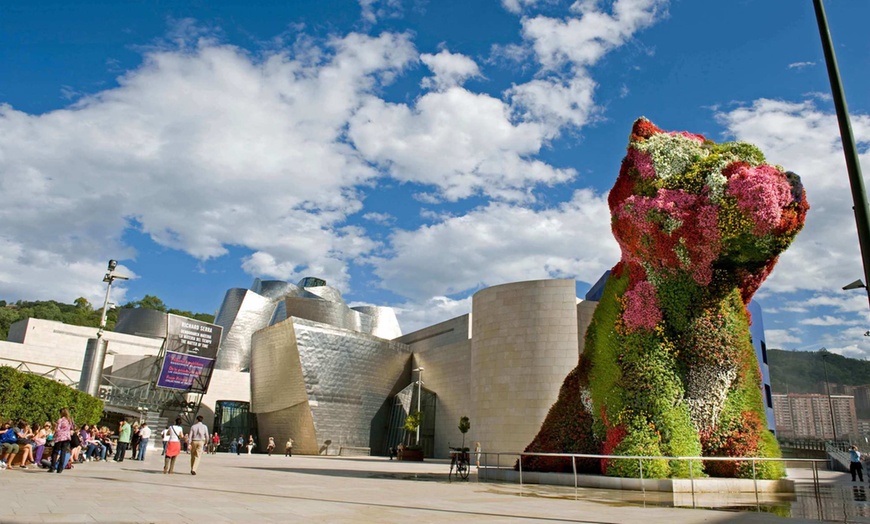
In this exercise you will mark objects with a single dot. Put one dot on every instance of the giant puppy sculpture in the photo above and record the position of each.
(668, 367)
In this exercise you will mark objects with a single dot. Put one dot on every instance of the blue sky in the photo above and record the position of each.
(409, 152)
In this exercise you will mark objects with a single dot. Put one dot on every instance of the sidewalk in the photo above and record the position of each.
(259, 488)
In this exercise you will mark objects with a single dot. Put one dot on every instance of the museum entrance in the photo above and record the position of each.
(233, 419)
(405, 403)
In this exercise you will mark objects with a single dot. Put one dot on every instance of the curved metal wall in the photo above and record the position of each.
(524, 343)
(324, 383)
(379, 321)
(333, 313)
(242, 313)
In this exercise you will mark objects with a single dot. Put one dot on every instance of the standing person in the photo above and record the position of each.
(144, 437)
(250, 443)
(215, 442)
(477, 454)
(62, 435)
(173, 446)
(271, 446)
(198, 437)
(855, 465)
(135, 438)
(165, 435)
(240, 444)
(124, 434)
(288, 447)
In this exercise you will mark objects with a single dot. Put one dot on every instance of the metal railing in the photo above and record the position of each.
(640, 458)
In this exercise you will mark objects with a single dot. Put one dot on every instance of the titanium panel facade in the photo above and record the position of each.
(242, 313)
(317, 382)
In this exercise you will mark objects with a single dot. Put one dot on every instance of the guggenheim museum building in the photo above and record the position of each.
(296, 361)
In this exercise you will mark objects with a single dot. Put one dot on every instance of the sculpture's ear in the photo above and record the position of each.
(643, 129)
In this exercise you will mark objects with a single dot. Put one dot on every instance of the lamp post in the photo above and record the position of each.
(853, 167)
(825, 354)
(419, 396)
(95, 352)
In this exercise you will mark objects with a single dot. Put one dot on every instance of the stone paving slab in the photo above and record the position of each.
(259, 488)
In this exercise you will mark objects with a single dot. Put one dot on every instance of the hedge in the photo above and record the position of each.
(33, 398)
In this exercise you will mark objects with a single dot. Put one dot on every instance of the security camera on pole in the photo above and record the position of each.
(95, 352)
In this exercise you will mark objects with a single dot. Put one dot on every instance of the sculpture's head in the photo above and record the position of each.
(684, 205)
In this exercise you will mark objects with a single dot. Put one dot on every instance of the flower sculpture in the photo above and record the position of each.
(668, 367)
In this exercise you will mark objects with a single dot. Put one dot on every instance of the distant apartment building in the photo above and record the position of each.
(802, 415)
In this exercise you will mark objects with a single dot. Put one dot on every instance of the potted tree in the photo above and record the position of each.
(410, 451)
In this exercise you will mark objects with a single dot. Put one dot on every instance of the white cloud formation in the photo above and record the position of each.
(450, 69)
(781, 338)
(418, 315)
(501, 243)
(461, 142)
(374, 10)
(562, 95)
(800, 65)
(198, 148)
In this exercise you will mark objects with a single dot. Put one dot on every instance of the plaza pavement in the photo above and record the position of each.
(258, 488)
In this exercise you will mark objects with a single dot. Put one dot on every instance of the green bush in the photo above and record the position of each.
(36, 399)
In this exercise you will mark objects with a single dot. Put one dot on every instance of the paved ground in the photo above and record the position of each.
(258, 488)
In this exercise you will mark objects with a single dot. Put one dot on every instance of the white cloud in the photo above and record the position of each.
(374, 10)
(417, 315)
(501, 243)
(458, 141)
(517, 6)
(450, 69)
(562, 95)
(827, 320)
(380, 218)
(781, 338)
(197, 148)
(800, 65)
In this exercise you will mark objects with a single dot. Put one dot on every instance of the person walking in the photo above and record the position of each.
(250, 443)
(144, 437)
(165, 436)
(173, 447)
(855, 466)
(124, 432)
(198, 437)
(215, 443)
(271, 446)
(240, 444)
(288, 447)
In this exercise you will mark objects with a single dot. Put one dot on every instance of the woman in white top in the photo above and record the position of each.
(173, 447)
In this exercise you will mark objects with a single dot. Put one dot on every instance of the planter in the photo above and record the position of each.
(415, 455)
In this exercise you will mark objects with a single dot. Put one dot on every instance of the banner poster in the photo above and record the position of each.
(193, 337)
(182, 371)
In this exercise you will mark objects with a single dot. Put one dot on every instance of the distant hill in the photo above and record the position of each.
(80, 313)
(803, 372)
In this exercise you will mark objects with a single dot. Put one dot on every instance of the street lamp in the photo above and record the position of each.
(419, 395)
(95, 351)
(825, 354)
(853, 166)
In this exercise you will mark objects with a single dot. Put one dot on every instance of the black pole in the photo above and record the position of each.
(830, 402)
(856, 180)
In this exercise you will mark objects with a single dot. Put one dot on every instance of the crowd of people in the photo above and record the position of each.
(24, 445)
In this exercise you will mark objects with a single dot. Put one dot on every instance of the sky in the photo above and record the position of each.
(409, 152)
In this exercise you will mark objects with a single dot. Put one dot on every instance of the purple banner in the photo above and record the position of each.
(181, 371)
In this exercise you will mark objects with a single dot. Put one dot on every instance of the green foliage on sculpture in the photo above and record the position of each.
(669, 368)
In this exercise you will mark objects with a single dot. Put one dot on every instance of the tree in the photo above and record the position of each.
(82, 303)
(413, 421)
(464, 426)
